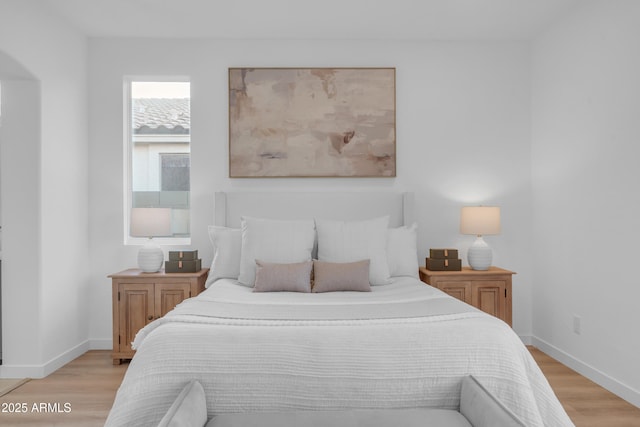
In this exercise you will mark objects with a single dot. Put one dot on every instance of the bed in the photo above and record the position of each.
(398, 344)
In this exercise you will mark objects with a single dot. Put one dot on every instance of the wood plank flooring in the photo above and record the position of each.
(588, 404)
(90, 382)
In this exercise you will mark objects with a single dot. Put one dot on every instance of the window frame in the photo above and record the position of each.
(127, 156)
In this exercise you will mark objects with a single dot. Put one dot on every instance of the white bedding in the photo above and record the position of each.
(400, 290)
(402, 345)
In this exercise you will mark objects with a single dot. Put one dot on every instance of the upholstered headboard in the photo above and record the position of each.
(347, 206)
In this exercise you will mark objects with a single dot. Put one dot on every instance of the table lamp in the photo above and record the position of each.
(150, 222)
(480, 221)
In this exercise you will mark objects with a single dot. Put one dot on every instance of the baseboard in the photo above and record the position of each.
(614, 386)
(41, 371)
(526, 339)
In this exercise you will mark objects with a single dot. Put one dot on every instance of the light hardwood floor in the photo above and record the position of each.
(588, 404)
(90, 382)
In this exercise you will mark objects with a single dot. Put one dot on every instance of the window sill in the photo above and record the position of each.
(161, 241)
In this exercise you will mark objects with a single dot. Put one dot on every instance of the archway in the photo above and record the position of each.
(20, 95)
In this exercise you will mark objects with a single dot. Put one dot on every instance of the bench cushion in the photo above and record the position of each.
(418, 417)
(478, 408)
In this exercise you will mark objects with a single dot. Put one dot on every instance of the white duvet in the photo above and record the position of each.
(402, 345)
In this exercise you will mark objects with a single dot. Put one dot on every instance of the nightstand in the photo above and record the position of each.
(488, 290)
(139, 298)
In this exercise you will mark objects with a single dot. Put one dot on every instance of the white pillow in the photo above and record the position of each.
(402, 251)
(273, 241)
(340, 241)
(227, 244)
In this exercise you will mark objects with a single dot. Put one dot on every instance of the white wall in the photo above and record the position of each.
(55, 250)
(463, 137)
(586, 110)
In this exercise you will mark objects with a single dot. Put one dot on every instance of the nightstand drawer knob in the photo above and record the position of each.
(150, 317)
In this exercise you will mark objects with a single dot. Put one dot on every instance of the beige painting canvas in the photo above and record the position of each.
(312, 122)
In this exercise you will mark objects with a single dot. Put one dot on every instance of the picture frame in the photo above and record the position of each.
(312, 122)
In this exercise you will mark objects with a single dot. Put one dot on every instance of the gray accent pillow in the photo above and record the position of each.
(273, 277)
(482, 408)
(189, 409)
(341, 276)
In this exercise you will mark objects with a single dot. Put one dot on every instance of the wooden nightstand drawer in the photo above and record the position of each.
(139, 298)
(488, 290)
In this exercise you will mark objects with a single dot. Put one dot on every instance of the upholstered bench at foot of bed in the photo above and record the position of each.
(478, 408)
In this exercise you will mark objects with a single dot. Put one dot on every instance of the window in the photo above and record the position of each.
(157, 152)
(175, 172)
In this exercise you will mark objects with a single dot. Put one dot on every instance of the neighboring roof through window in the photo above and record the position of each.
(161, 116)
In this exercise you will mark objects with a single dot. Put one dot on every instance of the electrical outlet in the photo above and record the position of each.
(577, 325)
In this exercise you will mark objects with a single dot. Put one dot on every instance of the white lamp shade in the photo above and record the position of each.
(150, 222)
(480, 220)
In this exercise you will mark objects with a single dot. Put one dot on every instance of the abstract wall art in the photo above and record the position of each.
(312, 122)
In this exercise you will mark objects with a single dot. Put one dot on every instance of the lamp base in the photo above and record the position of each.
(480, 255)
(150, 257)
